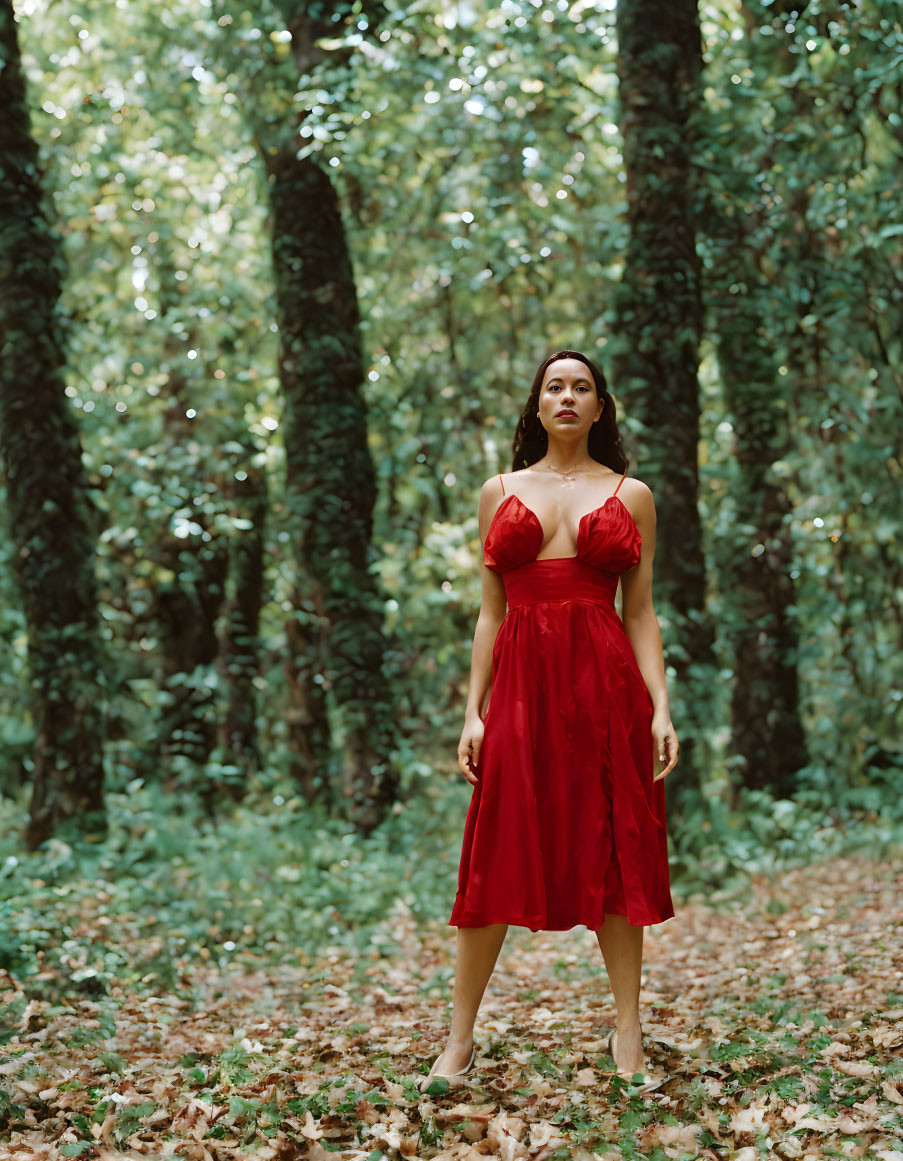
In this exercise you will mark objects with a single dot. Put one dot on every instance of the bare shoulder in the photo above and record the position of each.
(493, 486)
(638, 498)
(493, 491)
(491, 495)
(635, 487)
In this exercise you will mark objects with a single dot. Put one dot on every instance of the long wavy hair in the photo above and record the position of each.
(531, 440)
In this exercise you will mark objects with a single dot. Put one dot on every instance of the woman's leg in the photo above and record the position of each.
(478, 949)
(622, 949)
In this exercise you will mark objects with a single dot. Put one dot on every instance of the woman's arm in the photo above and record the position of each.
(481, 663)
(493, 607)
(642, 627)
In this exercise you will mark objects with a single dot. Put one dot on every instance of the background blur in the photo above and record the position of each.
(275, 282)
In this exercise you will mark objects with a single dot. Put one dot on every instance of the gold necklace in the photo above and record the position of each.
(568, 478)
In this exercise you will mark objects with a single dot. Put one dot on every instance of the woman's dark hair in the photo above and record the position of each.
(604, 444)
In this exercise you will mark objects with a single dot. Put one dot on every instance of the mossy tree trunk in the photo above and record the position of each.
(330, 476)
(767, 744)
(656, 334)
(755, 551)
(189, 595)
(246, 489)
(51, 522)
(342, 704)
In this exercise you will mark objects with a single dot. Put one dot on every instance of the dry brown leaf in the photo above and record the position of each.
(748, 1120)
(310, 1129)
(887, 1036)
(853, 1125)
(857, 1068)
(892, 1092)
(823, 1124)
(709, 1118)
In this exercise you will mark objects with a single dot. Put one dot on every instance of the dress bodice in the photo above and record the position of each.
(607, 537)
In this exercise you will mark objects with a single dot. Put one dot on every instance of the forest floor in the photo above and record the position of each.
(775, 1029)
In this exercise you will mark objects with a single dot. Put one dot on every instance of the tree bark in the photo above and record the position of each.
(767, 744)
(188, 604)
(239, 649)
(332, 491)
(755, 553)
(342, 714)
(51, 521)
(656, 335)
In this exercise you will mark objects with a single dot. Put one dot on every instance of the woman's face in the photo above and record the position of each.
(567, 385)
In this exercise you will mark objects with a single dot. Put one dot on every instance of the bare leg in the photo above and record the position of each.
(478, 949)
(622, 949)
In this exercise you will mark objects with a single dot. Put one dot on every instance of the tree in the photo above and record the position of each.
(767, 742)
(50, 516)
(658, 324)
(336, 666)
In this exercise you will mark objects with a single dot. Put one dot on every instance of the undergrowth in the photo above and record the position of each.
(274, 881)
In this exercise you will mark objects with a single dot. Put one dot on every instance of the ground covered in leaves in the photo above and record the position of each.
(775, 1029)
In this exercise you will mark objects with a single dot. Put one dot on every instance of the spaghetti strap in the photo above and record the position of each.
(620, 482)
(502, 482)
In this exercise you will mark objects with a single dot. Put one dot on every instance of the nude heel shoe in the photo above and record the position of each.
(647, 1078)
(423, 1083)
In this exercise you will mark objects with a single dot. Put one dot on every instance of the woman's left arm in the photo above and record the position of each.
(642, 627)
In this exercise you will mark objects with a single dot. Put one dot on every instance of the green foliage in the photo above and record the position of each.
(478, 160)
(273, 877)
(715, 848)
(276, 879)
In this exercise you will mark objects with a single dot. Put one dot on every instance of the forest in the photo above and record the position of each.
(275, 280)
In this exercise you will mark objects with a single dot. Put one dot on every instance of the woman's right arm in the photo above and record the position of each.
(493, 607)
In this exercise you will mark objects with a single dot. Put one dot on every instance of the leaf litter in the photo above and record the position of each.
(773, 1028)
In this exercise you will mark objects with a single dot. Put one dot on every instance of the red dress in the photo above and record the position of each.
(565, 823)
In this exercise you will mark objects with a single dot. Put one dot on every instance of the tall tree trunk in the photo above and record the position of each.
(239, 649)
(657, 328)
(341, 714)
(808, 257)
(330, 474)
(187, 605)
(186, 609)
(767, 743)
(50, 518)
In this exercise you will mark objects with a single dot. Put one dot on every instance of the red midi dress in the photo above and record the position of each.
(565, 824)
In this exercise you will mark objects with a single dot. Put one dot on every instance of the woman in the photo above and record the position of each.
(566, 824)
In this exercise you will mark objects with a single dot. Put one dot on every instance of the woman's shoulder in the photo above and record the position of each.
(637, 498)
(636, 487)
(498, 485)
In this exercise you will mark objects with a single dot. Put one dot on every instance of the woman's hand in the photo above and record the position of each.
(469, 747)
(665, 747)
